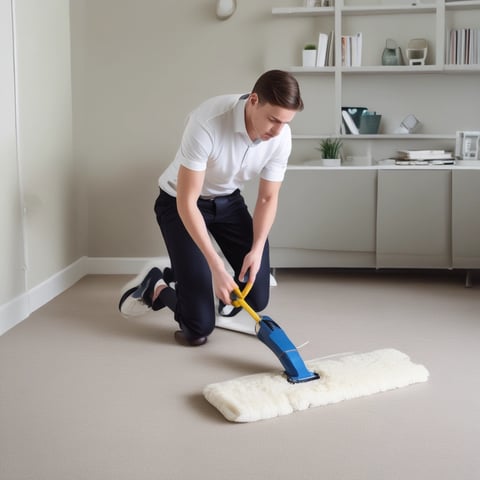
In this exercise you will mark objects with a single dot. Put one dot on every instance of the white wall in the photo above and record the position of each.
(38, 170)
(11, 241)
(140, 66)
(44, 99)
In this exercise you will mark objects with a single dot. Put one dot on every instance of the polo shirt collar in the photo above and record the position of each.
(239, 119)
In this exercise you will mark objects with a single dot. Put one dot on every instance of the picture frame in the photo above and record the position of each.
(467, 146)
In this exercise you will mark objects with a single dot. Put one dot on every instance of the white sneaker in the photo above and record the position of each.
(136, 296)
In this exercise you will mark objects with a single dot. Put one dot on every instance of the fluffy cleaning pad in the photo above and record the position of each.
(268, 395)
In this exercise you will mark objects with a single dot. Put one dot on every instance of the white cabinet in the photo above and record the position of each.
(466, 218)
(413, 219)
(376, 217)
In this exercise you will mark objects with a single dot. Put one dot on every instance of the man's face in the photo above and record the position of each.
(265, 121)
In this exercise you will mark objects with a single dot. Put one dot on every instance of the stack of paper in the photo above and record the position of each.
(424, 156)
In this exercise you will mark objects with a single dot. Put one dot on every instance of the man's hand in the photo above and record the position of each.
(251, 266)
(223, 285)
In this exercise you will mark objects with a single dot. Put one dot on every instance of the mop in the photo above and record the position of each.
(303, 385)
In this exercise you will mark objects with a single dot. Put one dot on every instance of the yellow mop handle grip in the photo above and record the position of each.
(240, 301)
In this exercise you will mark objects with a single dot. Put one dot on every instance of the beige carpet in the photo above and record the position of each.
(86, 394)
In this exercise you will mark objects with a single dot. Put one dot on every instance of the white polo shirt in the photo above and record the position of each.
(216, 141)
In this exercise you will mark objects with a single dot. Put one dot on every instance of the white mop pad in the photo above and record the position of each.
(268, 395)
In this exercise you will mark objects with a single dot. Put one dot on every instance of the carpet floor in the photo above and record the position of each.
(86, 394)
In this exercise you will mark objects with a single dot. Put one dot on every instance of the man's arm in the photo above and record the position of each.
(189, 186)
(263, 218)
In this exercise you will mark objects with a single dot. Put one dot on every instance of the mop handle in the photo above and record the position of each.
(240, 301)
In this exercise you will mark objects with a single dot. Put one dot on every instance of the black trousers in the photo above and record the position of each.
(230, 224)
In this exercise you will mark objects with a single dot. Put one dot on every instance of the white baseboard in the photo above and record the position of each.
(18, 309)
(13, 312)
(57, 283)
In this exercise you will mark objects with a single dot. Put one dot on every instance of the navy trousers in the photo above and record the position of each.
(229, 222)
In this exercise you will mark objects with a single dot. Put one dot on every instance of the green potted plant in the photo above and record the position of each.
(309, 58)
(330, 149)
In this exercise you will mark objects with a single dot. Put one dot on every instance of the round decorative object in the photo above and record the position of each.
(226, 8)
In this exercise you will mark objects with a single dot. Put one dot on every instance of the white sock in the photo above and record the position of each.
(160, 282)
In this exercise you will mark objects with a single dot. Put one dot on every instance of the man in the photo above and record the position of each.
(228, 140)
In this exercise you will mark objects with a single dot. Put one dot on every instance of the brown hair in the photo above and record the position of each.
(279, 88)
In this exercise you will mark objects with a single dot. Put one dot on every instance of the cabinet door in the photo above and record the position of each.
(325, 218)
(414, 219)
(466, 219)
(327, 210)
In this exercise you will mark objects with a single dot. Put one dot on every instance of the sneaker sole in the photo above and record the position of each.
(131, 307)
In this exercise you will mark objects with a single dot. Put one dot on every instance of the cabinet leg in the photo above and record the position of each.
(468, 279)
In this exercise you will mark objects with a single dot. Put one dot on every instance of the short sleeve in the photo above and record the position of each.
(195, 147)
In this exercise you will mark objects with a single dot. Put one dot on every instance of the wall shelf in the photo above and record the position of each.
(450, 68)
(388, 10)
(462, 5)
(400, 69)
(442, 103)
(406, 137)
(316, 70)
(303, 11)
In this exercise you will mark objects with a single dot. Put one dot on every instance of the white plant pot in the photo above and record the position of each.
(331, 162)
(324, 162)
(309, 58)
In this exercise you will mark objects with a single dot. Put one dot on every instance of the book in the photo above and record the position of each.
(345, 50)
(350, 123)
(357, 49)
(331, 50)
(322, 49)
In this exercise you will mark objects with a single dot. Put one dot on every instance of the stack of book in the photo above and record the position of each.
(352, 50)
(421, 157)
(464, 47)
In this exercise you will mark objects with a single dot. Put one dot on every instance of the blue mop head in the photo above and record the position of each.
(276, 340)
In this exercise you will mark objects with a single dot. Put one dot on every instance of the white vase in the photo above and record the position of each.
(309, 58)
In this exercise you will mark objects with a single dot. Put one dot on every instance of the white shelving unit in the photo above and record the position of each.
(384, 216)
(442, 96)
